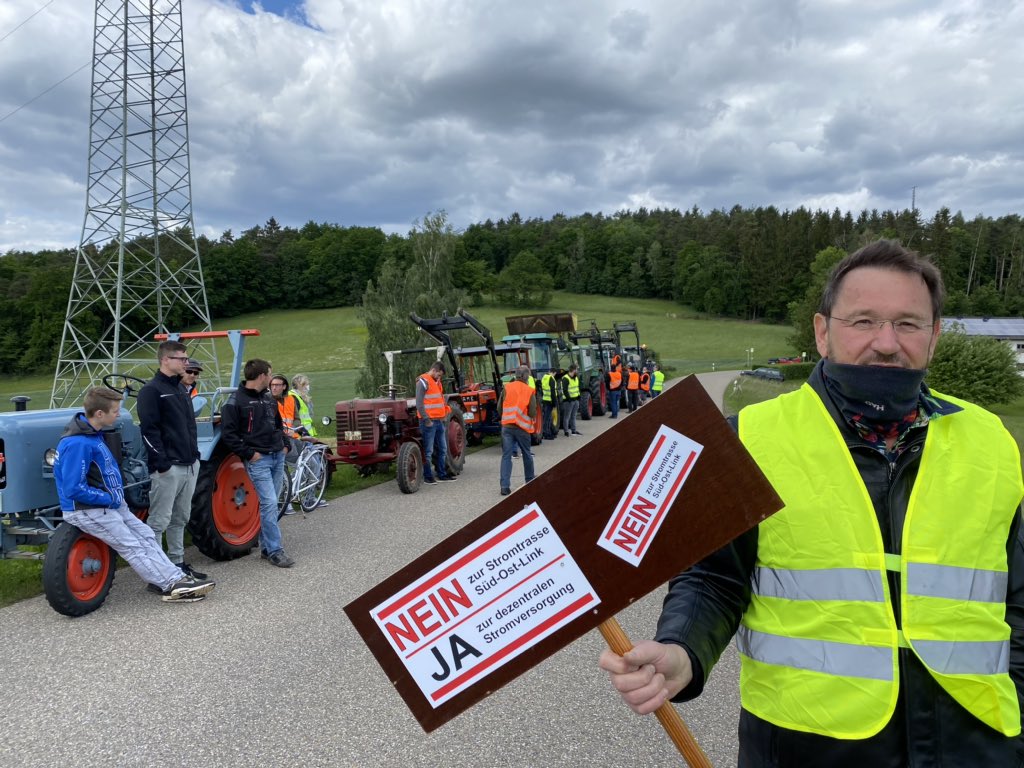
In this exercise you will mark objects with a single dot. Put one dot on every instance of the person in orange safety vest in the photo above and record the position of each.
(433, 412)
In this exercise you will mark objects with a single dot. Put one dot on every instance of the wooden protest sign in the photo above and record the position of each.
(618, 518)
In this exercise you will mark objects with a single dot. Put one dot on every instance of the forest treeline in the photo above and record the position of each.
(747, 263)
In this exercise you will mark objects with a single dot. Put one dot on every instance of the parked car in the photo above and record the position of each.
(769, 374)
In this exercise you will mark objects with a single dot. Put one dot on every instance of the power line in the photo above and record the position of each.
(39, 96)
(26, 21)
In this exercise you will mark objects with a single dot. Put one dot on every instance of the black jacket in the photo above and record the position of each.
(251, 422)
(929, 729)
(168, 423)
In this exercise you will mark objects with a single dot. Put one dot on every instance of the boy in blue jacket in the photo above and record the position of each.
(92, 499)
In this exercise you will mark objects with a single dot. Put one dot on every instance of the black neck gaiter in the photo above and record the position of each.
(875, 399)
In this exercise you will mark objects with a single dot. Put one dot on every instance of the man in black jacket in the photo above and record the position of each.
(169, 431)
(251, 428)
(879, 616)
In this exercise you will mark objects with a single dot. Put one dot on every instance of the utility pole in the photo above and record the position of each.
(137, 271)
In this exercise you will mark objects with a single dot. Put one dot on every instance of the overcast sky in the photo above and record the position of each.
(378, 112)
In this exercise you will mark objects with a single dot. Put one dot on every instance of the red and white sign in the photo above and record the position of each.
(649, 495)
(485, 605)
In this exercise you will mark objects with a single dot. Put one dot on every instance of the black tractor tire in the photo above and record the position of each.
(597, 407)
(409, 467)
(586, 405)
(455, 456)
(225, 521)
(77, 571)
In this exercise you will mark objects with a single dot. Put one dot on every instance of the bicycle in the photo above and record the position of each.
(306, 481)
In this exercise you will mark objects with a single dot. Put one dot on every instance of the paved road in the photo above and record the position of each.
(269, 672)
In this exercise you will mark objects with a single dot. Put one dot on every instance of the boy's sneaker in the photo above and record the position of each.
(187, 590)
(429, 481)
(289, 509)
(447, 478)
(188, 571)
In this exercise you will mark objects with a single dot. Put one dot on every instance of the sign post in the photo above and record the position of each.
(608, 524)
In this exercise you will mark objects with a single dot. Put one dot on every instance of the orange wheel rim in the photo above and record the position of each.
(89, 564)
(236, 505)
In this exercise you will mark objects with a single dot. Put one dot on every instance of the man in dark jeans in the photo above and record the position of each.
(251, 429)
(433, 410)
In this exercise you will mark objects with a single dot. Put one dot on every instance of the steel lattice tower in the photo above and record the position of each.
(137, 271)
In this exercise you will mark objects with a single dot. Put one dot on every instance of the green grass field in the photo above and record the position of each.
(329, 345)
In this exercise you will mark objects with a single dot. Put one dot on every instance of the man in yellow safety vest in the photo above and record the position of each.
(879, 616)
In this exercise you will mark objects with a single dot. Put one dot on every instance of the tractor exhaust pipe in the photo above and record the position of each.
(20, 402)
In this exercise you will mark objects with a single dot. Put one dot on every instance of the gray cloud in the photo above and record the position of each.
(374, 113)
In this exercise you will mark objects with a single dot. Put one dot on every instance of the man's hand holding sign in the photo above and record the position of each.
(602, 528)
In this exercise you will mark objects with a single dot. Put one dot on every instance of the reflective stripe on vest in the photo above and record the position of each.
(574, 387)
(515, 408)
(659, 381)
(819, 641)
(545, 386)
(433, 399)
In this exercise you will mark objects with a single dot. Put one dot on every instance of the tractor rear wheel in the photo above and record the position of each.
(586, 405)
(455, 456)
(225, 520)
(77, 571)
(409, 467)
(598, 400)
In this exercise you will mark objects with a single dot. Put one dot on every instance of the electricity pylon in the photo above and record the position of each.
(137, 271)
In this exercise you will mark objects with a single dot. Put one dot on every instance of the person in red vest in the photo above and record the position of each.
(633, 388)
(518, 407)
(433, 412)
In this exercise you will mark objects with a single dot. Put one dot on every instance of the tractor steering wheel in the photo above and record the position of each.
(123, 383)
(393, 391)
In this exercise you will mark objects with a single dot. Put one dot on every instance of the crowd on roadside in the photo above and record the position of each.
(264, 420)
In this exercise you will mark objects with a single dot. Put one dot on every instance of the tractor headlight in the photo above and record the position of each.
(382, 418)
(50, 457)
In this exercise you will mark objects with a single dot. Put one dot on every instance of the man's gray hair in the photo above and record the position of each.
(523, 373)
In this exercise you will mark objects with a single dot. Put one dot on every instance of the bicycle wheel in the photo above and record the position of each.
(284, 498)
(314, 479)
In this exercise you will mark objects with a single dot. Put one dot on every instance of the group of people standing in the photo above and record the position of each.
(257, 425)
(560, 393)
(633, 384)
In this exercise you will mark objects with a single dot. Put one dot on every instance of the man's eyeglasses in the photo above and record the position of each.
(178, 358)
(867, 325)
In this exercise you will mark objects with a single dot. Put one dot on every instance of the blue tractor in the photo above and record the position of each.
(79, 569)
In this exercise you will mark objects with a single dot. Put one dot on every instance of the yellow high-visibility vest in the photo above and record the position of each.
(545, 386)
(819, 642)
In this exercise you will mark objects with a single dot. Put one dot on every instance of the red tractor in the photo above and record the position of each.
(373, 433)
